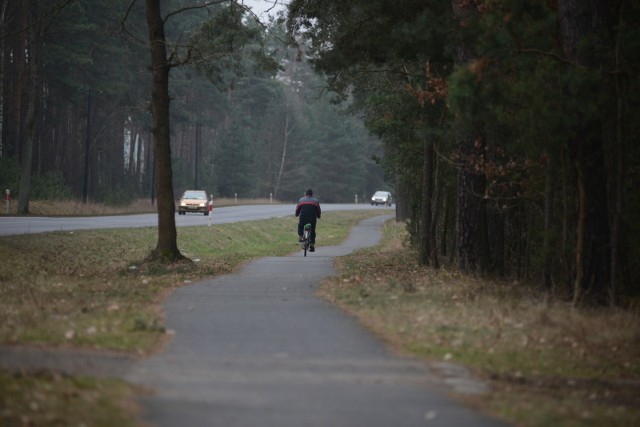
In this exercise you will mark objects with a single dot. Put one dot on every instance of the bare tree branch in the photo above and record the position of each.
(126, 15)
(53, 11)
(202, 6)
(552, 55)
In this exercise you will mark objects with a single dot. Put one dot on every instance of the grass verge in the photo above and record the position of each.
(46, 399)
(547, 364)
(78, 208)
(94, 289)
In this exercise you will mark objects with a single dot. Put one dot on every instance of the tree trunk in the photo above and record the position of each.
(446, 215)
(548, 221)
(167, 247)
(580, 238)
(3, 72)
(471, 185)
(471, 218)
(27, 134)
(285, 134)
(132, 148)
(27, 149)
(402, 200)
(140, 149)
(87, 150)
(620, 167)
(20, 76)
(582, 23)
(427, 205)
(434, 214)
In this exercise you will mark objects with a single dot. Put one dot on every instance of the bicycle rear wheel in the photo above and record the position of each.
(307, 238)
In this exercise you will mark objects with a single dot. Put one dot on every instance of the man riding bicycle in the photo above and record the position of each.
(308, 209)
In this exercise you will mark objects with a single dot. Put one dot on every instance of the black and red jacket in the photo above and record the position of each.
(308, 208)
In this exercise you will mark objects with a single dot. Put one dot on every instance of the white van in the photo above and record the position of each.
(381, 198)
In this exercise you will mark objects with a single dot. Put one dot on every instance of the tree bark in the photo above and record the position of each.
(427, 205)
(402, 200)
(20, 76)
(580, 238)
(27, 135)
(585, 28)
(285, 135)
(167, 247)
(548, 221)
(620, 166)
(471, 215)
(435, 212)
(471, 219)
(26, 165)
(3, 72)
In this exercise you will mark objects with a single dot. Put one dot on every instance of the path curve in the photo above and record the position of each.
(258, 348)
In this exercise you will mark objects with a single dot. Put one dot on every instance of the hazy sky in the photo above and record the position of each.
(261, 7)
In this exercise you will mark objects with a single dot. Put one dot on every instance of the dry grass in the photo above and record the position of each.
(95, 288)
(77, 208)
(45, 399)
(548, 363)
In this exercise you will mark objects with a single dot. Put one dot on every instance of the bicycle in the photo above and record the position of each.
(306, 238)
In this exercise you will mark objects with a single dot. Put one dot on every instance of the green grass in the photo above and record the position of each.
(548, 364)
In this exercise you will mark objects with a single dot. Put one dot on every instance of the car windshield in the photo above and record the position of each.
(200, 195)
(380, 194)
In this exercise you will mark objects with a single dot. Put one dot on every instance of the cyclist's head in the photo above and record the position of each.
(309, 192)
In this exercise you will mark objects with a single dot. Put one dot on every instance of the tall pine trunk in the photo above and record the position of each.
(27, 135)
(548, 226)
(585, 28)
(619, 163)
(425, 248)
(286, 131)
(471, 219)
(167, 247)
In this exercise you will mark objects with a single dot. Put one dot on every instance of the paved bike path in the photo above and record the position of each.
(257, 348)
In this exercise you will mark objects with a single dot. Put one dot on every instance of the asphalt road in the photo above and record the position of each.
(258, 348)
(10, 225)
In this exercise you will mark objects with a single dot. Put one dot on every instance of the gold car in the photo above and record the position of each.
(194, 201)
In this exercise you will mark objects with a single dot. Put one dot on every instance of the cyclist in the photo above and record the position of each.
(308, 209)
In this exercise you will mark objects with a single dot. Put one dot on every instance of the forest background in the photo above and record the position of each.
(249, 117)
(507, 128)
(510, 127)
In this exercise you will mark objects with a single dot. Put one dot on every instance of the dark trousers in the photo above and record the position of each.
(301, 225)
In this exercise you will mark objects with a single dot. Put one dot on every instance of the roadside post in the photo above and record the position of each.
(7, 199)
(356, 199)
(210, 208)
(270, 197)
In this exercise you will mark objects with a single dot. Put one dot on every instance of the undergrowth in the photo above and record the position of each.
(548, 363)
